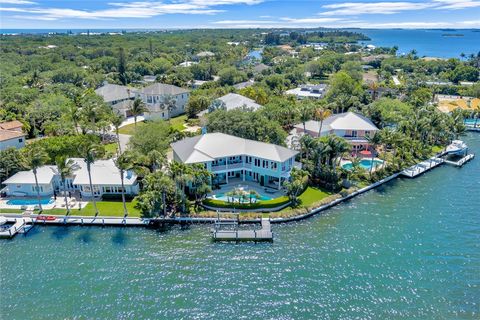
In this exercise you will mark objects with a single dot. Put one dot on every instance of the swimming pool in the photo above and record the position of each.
(245, 199)
(29, 202)
(364, 163)
(471, 122)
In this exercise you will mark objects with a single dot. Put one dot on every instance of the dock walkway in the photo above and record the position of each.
(422, 167)
(20, 225)
(462, 161)
(235, 234)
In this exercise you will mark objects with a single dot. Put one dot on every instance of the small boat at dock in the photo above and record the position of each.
(457, 147)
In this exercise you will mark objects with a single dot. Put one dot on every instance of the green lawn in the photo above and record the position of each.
(110, 150)
(312, 195)
(130, 129)
(178, 122)
(105, 208)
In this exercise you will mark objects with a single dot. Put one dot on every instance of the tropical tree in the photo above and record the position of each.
(374, 140)
(91, 152)
(305, 110)
(181, 175)
(169, 103)
(321, 113)
(296, 185)
(136, 109)
(124, 162)
(117, 120)
(65, 169)
(35, 158)
(158, 195)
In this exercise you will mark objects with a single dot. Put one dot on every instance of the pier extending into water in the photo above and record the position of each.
(422, 167)
(20, 225)
(229, 231)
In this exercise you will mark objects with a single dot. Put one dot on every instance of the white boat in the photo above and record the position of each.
(457, 147)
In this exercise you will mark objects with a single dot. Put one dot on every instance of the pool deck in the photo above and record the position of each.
(59, 203)
(247, 185)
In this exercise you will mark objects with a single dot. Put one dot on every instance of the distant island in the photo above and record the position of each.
(453, 35)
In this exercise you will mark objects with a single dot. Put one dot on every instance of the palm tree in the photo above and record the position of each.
(169, 103)
(90, 152)
(180, 173)
(117, 120)
(305, 111)
(35, 158)
(321, 113)
(74, 116)
(374, 140)
(123, 163)
(253, 194)
(374, 88)
(136, 109)
(65, 168)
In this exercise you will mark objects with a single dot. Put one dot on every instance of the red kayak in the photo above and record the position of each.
(47, 218)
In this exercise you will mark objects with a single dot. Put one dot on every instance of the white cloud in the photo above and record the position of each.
(16, 2)
(457, 4)
(356, 8)
(136, 9)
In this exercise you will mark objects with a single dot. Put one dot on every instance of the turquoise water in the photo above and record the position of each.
(427, 42)
(407, 250)
(472, 121)
(364, 163)
(29, 202)
(223, 197)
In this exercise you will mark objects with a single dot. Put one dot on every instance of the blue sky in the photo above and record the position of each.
(145, 14)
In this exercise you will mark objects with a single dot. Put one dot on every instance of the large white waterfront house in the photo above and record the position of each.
(231, 158)
(105, 180)
(349, 125)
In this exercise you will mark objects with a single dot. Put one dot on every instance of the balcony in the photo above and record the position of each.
(237, 165)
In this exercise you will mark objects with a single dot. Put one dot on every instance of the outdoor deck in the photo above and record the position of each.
(422, 167)
(462, 161)
(235, 234)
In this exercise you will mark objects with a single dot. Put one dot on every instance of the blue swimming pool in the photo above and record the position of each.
(29, 202)
(364, 163)
(246, 198)
(472, 122)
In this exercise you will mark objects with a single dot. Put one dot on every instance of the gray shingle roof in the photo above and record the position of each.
(163, 89)
(114, 92)
(234, 101)
(341, 121)
(210, 146)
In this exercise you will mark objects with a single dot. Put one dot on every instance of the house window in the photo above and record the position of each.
(149, 99)
(20, 140)
(367, 133)
(354, 133)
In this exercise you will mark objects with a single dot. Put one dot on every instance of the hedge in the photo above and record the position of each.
(274, 203)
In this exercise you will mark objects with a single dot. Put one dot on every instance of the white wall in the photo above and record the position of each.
(28, 190)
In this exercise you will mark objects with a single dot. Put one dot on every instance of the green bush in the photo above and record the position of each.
(277, 202)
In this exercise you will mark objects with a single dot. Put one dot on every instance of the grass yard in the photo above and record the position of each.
(130, 129)
(105, 208)
(110, 150)
(179, 122)
(312, 195)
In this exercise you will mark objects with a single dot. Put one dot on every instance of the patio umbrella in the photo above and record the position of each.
(365, 153)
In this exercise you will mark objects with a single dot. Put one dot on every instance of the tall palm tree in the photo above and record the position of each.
(374, 140)
(91, 152)
(321, 113)
(181, 174)
(305, 110)
(74, 116)
(169, 103)
(124, 163)
(65, 168)
(136, 109)
(117, 120)
(35, 158)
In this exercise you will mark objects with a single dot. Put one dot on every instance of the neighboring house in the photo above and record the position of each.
(117, 96)
(448, 103)
(11, 135)
(316, 91)
(187, 64)
(260, 67)
(105, 180)
(231, 101)
(163, 101)
(244, 84)
(349, 125)
(22, 184)
(231, 158)
(205, 54)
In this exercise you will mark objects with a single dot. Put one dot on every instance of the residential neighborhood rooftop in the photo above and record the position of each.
(341, 121)
(103, 172)
(45, 174)
(162, 89)
(11, 125)
(210, 146)
(10, 134)
(114, 92)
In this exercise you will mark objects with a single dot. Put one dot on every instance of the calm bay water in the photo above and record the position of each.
(408, 250)
(427, 42)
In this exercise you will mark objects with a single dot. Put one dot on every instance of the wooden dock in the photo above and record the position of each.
(462, 161)
(422, 167)
(20, 225)
(235, 234)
